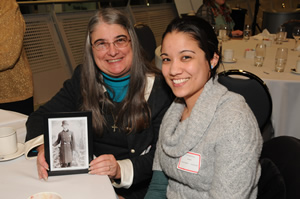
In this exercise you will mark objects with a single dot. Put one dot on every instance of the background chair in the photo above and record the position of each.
(146, 39)
(284, 152)
(271, 184)
(289, 25)
(238, 16)
(256, 94)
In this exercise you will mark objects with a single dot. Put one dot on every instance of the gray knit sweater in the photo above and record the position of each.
(224, 131)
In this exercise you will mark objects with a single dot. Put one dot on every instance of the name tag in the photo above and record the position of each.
(190, 162)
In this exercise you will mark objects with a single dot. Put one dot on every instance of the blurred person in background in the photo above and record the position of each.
(217, 13)
(16, 84)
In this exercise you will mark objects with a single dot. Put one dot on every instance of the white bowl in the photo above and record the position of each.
(45, 195)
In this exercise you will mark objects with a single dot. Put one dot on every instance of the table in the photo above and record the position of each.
(19, 178)
(284, 87)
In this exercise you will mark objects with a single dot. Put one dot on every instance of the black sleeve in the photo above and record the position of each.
(66, 100)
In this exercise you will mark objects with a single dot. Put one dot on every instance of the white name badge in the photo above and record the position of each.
(190, 162)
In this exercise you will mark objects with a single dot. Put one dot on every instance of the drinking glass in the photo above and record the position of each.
(224, 33)
(247, 32)
(280, 59)
(260, 53)
(215, 29)
(281, 35)
(296, 35)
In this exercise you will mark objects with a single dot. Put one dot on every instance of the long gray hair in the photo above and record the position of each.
(134, 109)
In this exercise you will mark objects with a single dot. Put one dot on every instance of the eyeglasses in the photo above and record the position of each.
(101, 45)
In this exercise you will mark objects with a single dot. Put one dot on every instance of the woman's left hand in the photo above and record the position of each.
(106, 165)
(236, 33)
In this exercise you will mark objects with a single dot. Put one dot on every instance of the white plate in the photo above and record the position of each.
(293, 70)
(229, 61)
(17, 154)
(42, 195)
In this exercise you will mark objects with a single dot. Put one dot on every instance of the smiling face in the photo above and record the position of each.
(115, 62)
(184, 66)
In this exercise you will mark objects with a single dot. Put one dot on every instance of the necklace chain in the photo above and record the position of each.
(114, 126)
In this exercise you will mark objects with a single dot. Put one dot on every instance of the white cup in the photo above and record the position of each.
(45, 195)
(223, 34)
(228, 54)
(8, 141)
(298, 66)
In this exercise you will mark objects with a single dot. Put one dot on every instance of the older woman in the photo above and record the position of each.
(127, 97)
(209, 142)
(217, 13)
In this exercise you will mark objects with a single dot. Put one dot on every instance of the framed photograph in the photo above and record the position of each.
(68, 142)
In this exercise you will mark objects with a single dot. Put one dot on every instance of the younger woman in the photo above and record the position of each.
(209, 142)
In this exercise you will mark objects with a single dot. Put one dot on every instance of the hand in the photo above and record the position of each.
(106, 165)
(236, 33)
(42, 165)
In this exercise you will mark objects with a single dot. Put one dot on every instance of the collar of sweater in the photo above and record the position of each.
(180, 137)
(118, 86)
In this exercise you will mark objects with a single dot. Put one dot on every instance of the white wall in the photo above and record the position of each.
(187, 6)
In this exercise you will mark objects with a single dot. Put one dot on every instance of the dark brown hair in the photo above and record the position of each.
(201, 31)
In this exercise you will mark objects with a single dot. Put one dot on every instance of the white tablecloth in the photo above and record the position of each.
(19, 178)
(284, 87)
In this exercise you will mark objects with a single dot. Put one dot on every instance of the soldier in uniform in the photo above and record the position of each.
(67, 145)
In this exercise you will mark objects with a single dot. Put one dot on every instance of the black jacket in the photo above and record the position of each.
(120, 144)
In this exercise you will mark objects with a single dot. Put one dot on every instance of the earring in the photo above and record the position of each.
(211, 66)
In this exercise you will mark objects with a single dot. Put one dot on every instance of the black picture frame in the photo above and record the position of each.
(68, 142)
